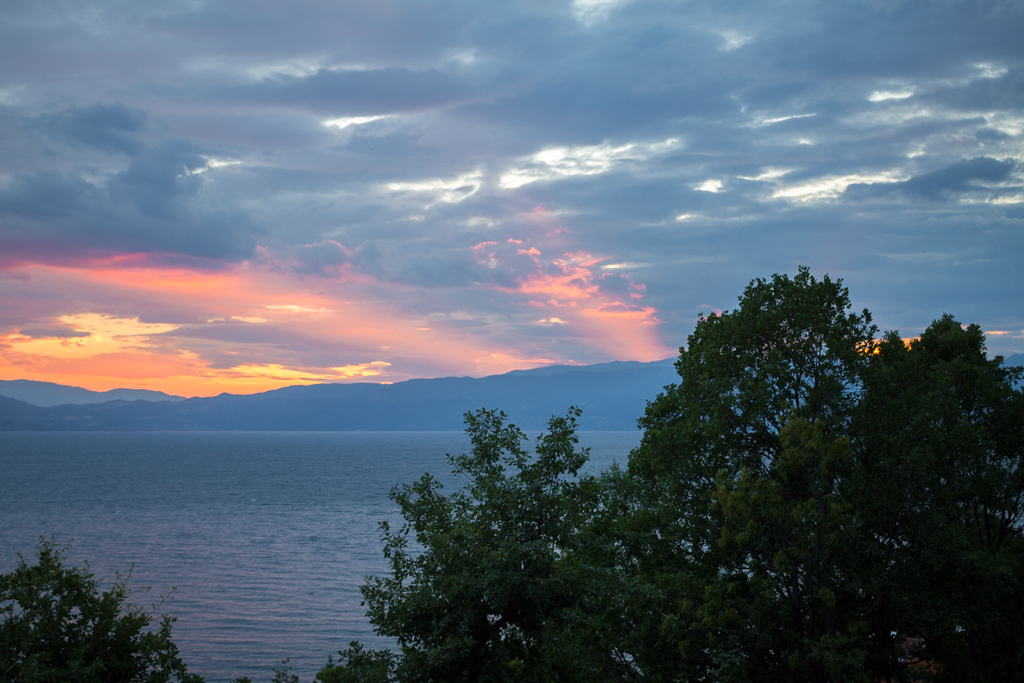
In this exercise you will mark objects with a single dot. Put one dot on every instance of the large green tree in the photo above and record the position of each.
(816, 505)
(740, 524)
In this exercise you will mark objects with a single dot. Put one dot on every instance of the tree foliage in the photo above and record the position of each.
(941, 487)
(359, 665)
(740, 522)
(816, 505)
(57, 625)
(491, 582)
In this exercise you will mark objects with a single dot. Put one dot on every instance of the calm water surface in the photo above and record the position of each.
(265, 536)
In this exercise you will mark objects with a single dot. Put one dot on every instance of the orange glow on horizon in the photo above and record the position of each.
(251, 328)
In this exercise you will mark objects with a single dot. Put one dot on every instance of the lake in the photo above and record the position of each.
(265, 536)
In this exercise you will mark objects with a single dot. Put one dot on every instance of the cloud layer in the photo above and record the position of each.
(228, 196)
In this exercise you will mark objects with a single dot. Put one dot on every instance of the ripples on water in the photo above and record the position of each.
(266, 536)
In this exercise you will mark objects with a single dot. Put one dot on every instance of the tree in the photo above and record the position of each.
(815, 505)
(359, 665)
(941, 486)
(497, 586)
(56, 625)
(788, 601)
(740, 525)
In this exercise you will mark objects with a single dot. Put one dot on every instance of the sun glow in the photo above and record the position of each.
(95, 334)
(250, 327)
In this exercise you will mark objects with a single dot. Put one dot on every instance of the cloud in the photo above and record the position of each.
(712, 186)
(734, 40)
(617, 309)
(979, 175)
(108, 128)
(760, 121)
(328, 258)
(400, 145)
(506, 263)
(588, 12)
(347, 121)
(443, 190)
(619, 284)
(884, 95)
(154, 205)
(356, 93)
(556, 163)
(568, 280)
(55, 332)
(280, 374)
(85, 335)
(963, 176)
(830, 187)
(161, 180)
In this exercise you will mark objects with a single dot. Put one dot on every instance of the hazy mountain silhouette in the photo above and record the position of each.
(612, 396)
(46, 394)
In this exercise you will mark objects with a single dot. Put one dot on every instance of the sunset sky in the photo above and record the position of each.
(207, 196)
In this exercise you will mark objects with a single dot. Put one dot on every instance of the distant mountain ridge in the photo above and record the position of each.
(47, 394)
(612, 396)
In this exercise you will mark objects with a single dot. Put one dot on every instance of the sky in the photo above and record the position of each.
(208, 196)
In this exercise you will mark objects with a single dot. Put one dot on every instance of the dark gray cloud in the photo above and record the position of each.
(160, 182)
(981, 174)
(154, 205)
(963, 176)
(108, 128)
(1004, 92)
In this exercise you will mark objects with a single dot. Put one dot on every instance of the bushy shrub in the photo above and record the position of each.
(56, 624)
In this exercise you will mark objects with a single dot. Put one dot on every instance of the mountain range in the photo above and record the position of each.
(611, 395)
(46, 394)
